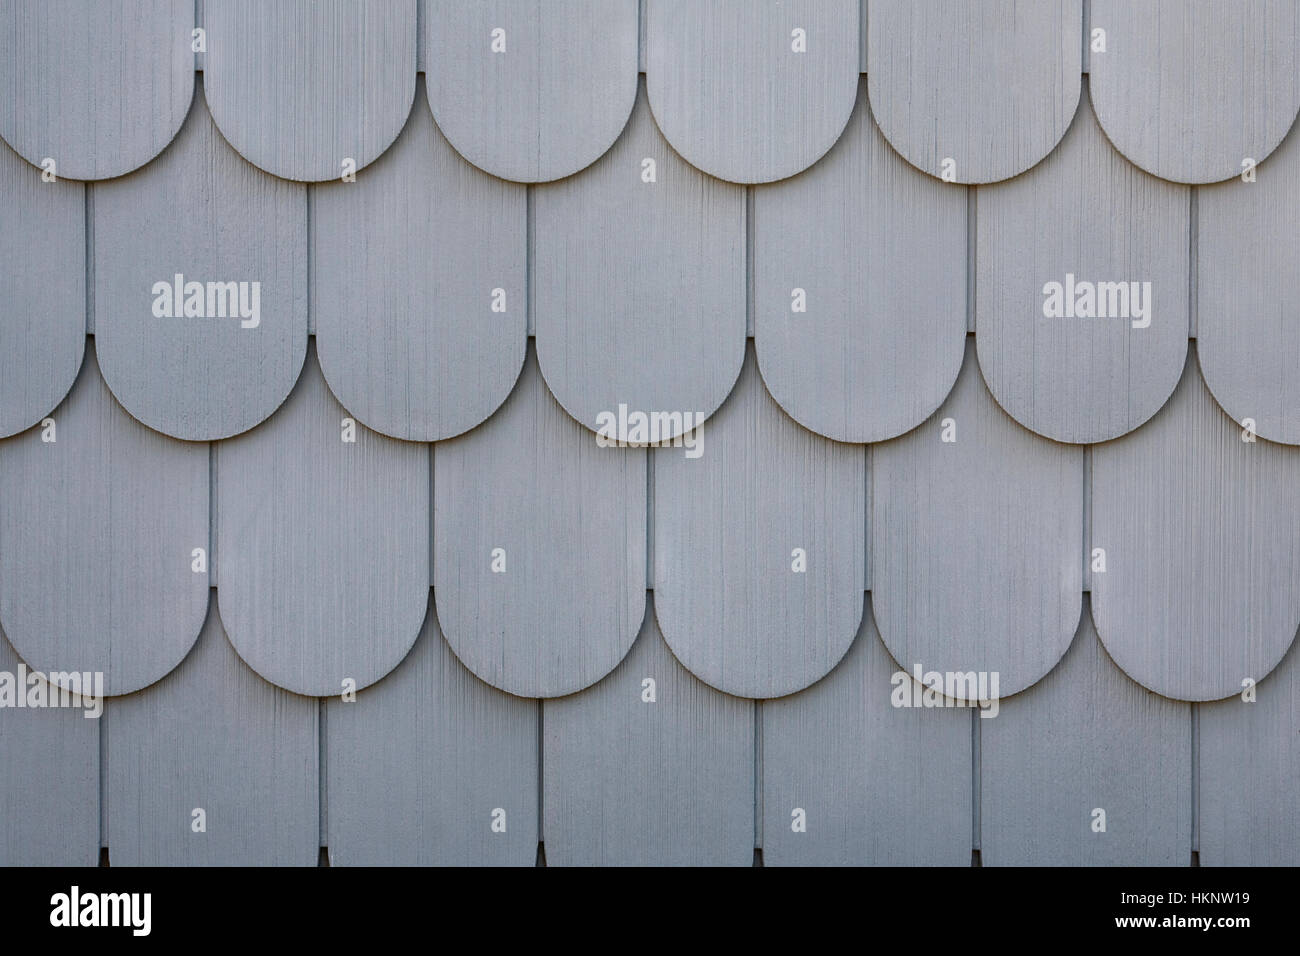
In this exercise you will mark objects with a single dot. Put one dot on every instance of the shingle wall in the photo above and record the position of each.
(341, 528)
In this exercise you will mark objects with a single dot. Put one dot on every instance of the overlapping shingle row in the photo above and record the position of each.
(373, 419)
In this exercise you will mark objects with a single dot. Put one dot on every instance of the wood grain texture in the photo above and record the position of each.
(212, 735)
(1189, 88)
(1084, 211)
(639, 287)
(728, 524)
(419, 762)
(637, 782)
(1249, 765)
(405, 265)
(1084, 738)
(42, 291)
(879, 250)
(49, 792)
(879, 785)
(1202, 539)
(530, 492)
(991, 86)
(96, 540)
(298, 86)
(1248, 328)
(323, 544)
(541, 100)
(99, 86)
(733, 96)
(977, 544)
(202, 212)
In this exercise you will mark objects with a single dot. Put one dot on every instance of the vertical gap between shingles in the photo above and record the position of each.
(1193, 252)
(200, 59)
(976, 784)
(311, 251)
(530, 285)
(1087, 519)
(869, 503)
(758, 778)
(1086, 59)
(640, 41)
(1196, 784)
(970, 258)
(212, 514)
(432, 517)
(749, 261)
(863, 12)
(89, 213)
(420, 14)
(103, 786)
(650, 520)
(541, 770)
(324, 772)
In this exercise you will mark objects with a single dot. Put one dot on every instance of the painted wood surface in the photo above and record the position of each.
(201, 332)
(212, 766)
(1189, 89)
(419, 287)
(752, 92)
(323, 543)
(540, 546)
(759, 547)
(650, 767)
(98, 86)
(973, 92)
(98, 535)
(310, 89)
(431, 767)
(535, 90)
(859, 289)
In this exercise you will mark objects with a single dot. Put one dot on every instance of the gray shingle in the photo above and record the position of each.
(1084, 212)
(562, 521)
(1202, 537)
(42, 291)
(1086, 738)
(300, 87)
(1188, 89)
(544, 97)
(759, 547)
(977, 543)
(658, 774)
(875, 252)
(1249, 765)
(99, 86)
(733, 93)
(49, 792)
(1248, 329)
(215, 737)
(96, 539)
(879, 785)
(219, 372)
(639, 287)
(323, 544)
(406, 266)
(418, 763)
(989, 86)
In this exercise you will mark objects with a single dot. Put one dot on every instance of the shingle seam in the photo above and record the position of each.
(1087, 519)
(1196, 782)
(1086, 59)
(90, 259)
(1193, 255)
(758, 777)
(977, 782)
